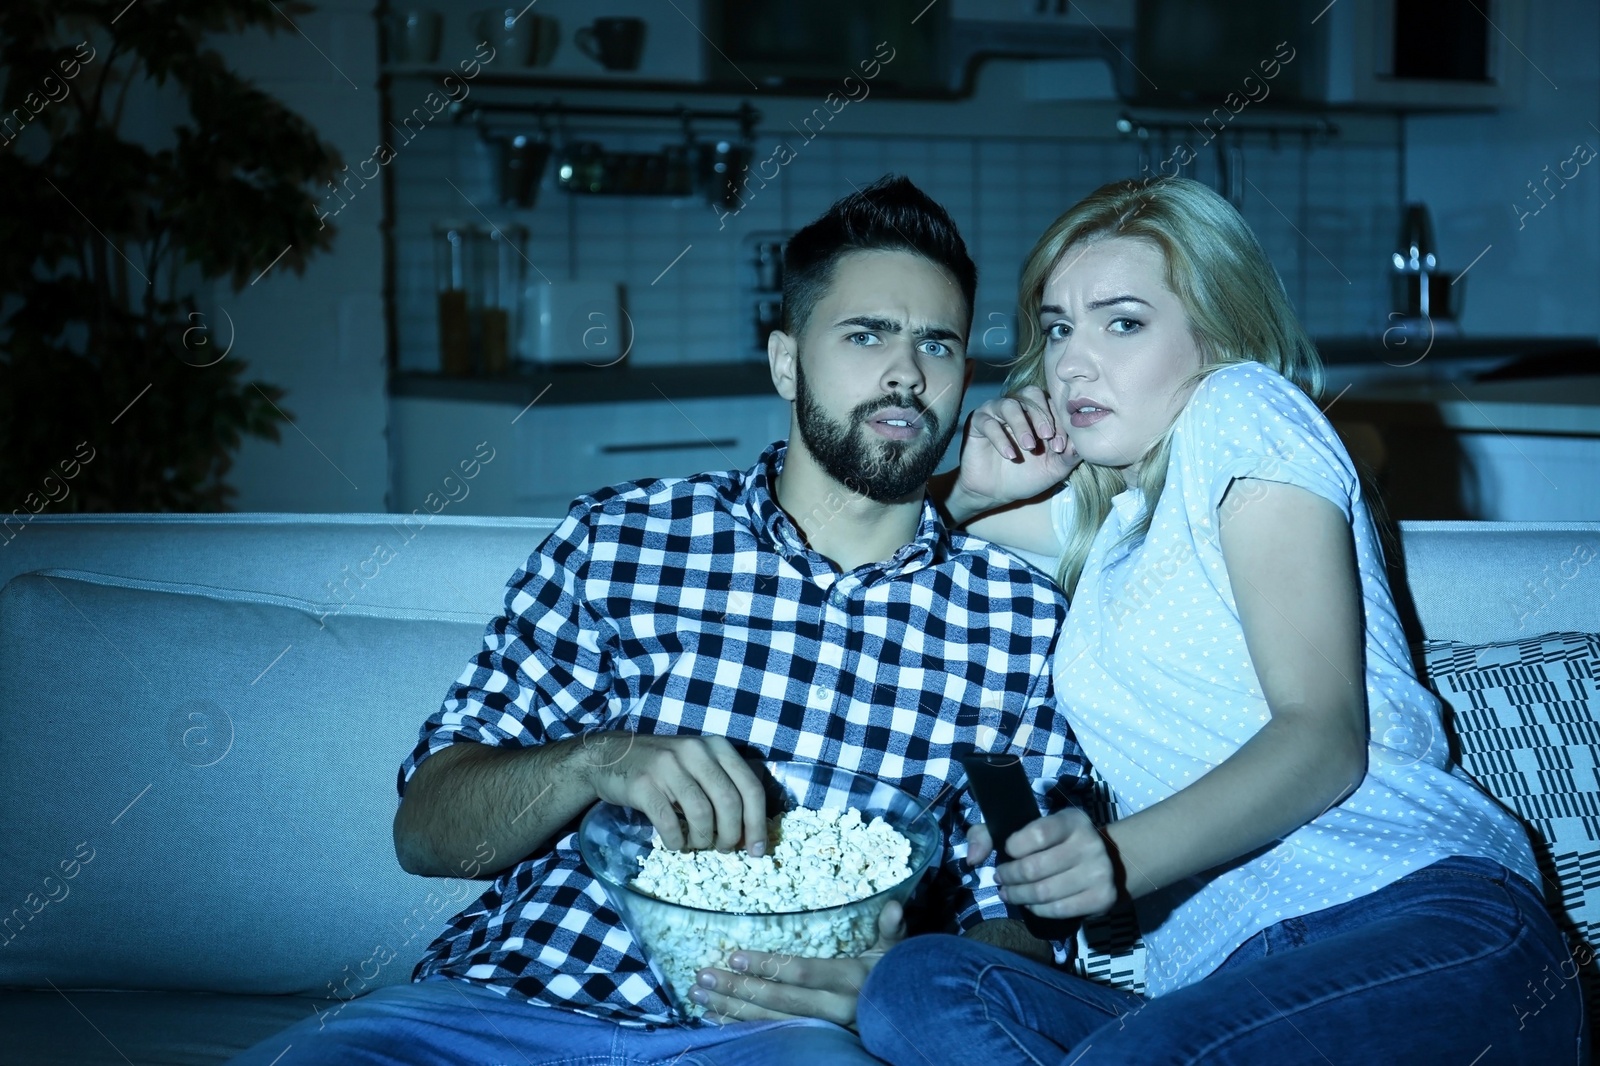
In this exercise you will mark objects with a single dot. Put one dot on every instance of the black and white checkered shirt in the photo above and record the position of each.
(693, 606)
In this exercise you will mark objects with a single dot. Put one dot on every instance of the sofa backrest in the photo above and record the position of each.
(200, 783)
(205, 716)
(449, 563)
(1477, 582)
(1467, 581)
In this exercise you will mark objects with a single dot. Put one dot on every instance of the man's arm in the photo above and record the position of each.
(492, 782)
(473, 809)
(483, 808)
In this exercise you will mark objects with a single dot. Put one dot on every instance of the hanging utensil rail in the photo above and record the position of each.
(745, 115)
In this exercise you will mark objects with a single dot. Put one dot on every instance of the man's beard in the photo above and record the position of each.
(882, 470)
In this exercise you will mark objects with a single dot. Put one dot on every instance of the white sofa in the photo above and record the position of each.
(204, 717)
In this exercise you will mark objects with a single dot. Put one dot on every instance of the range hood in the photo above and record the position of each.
(908, 47)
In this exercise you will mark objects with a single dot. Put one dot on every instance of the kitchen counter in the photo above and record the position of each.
(1552, 405)
(615, 384)
(1364, 360)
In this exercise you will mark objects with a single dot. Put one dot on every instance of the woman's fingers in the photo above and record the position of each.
(1082, 890)
(979, 845)
(1018, 424)
(1060, 867)
(990, 428)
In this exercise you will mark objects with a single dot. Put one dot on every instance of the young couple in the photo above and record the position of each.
(1314, 882)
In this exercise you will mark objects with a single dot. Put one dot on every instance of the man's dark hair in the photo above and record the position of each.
(890, 215)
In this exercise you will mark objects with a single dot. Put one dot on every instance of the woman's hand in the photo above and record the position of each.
(1060, 866)
(1013, 450)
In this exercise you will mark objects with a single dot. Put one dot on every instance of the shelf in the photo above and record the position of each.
(1339, 351)
(586, 384)
(546, 82)
(616, 384)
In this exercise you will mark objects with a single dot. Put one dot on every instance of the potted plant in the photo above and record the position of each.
(115, 394)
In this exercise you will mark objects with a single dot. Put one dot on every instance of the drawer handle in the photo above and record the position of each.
(667, 446)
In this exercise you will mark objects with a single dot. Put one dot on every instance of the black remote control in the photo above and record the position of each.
(1001, 788)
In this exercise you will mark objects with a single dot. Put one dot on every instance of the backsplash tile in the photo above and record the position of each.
(1326, 213)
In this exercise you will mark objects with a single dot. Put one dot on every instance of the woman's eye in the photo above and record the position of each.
(1125, 325)
(1057, 331)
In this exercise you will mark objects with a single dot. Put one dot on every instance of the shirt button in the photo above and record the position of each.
(820, 696)
(837, 597)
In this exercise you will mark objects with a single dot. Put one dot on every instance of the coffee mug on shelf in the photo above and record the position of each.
(614, 43)
(414, 35)
(522, 161)
(518, 36)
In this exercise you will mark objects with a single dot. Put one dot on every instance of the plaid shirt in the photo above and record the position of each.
(692, 606)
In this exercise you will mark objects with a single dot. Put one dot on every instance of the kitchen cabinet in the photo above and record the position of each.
(564, 451)
(1501, 451)
(545, 454)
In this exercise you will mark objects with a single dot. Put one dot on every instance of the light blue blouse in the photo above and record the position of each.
(1153, 673)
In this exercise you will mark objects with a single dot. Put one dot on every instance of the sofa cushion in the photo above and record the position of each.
(200, 785)
(80, 1028)
(1522, 714)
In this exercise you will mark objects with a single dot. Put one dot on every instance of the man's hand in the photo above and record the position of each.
(1013, 450)
(761, 985)
(1059, 866)
(705, 778)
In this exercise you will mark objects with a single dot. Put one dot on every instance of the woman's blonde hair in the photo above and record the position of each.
(1237, 308)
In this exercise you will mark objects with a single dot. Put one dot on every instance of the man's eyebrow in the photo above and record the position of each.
(889, 325)
(877, 325)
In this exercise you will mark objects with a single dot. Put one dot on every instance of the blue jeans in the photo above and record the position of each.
(1458, 963)
(444, 1022)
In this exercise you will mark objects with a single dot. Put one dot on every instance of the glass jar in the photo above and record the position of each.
(456, 266)
(503, 260)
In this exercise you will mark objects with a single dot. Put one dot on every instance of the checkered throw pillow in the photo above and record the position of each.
(1523, 716)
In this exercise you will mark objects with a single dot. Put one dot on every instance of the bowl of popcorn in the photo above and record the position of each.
(840, 847)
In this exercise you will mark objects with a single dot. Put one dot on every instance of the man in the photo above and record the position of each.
(812, 607)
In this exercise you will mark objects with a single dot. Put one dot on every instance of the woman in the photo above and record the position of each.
(1312, 881)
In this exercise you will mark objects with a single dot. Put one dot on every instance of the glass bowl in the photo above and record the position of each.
(679, 940)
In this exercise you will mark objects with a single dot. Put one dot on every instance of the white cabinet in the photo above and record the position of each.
(545, 455)
(566, 450)
(1518, 450)
(1529, 478)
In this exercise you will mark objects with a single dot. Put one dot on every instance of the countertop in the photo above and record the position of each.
(1375, 373)
(1565, 405)
(614, 384)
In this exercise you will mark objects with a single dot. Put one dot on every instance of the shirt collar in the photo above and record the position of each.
(930, 545)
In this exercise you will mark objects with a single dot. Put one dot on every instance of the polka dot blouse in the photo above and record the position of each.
(1153, 672)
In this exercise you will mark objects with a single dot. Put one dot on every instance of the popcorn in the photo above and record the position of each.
(792, 901)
